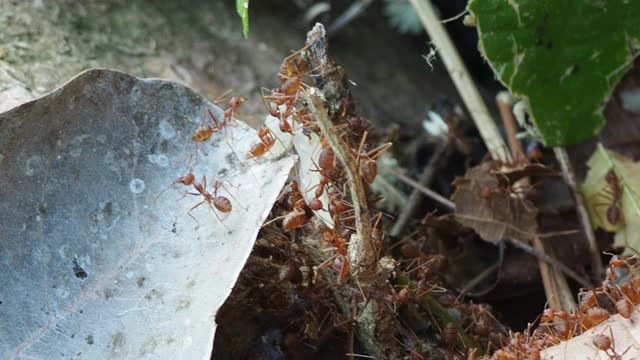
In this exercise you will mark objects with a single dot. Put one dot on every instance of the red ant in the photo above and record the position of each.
(204, 132)
(266, 142)
(221, 203)
(367, 162)
(340, 260)
(614, 208)
(326, 158)
(234, 104)
(608, 343)
(297, 217)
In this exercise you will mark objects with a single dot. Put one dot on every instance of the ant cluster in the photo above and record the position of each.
(619, 293)
(287, 269)
(473, 329)
(287, 103)
(203, 133)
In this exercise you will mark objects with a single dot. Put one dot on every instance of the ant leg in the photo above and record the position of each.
(344, 269)
(214, 120)
(364, 139)
(223, 96)
(219, 219)
(177, 181)
(195, 206)
(273, 138)
(326, 262)
(375, 153)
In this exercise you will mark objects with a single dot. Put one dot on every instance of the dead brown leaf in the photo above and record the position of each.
(493, 210)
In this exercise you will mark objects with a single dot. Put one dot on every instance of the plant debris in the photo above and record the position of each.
(612, 193)
(488, 201)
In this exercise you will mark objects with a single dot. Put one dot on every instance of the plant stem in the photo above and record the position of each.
(462, 80)
(583, 215)
(362, 252)
(416, 195)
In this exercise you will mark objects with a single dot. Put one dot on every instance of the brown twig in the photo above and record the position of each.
(504, 102)
(424, 190)
(555, 284)
(583, 215)
(542, 256)
(330, 102)
(362, 252)
(416, 195)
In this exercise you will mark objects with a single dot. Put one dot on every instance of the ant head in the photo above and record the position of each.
(187, 179)
(236, 101)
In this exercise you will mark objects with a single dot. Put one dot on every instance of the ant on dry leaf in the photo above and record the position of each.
(608, 344)
(612, 198)
(217, 203)
(619, 293)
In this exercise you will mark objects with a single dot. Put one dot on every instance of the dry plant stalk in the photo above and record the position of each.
(461, 79)
(330, 102)
(362, 252)
(581, 210)
(556, 288)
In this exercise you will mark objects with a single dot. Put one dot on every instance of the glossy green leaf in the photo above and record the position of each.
(564, 57)
(242, 7)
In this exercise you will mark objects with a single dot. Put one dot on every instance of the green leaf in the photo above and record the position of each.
(564, 57)
(242, 7)
(600, 196)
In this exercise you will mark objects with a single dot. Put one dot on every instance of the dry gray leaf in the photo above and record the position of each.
(95, 262)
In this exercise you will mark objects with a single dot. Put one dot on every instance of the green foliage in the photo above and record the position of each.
(565, 57)
(600, 196)
(242, 7)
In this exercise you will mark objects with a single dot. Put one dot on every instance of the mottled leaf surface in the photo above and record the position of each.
(95, 262)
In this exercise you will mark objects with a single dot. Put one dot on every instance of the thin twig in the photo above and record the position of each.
(583, 216)
(424, 190)
(552, 288)
(455, 17)
(414, 199)
(504, 102)
(356, 9)
(550, 260)
(555, 284)
(480, 278)
(462, 80)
